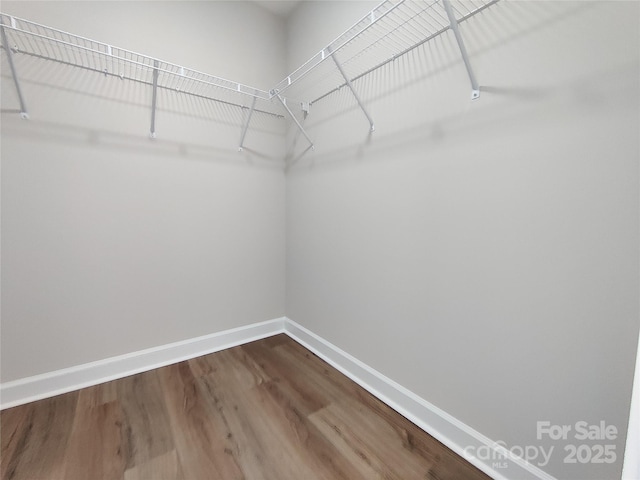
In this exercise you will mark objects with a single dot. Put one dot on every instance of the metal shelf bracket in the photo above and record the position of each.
(350, 85)
(475, 88)
(276, 94)
(246, 124)
(5, 44)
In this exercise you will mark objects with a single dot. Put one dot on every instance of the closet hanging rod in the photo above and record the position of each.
(57, 45)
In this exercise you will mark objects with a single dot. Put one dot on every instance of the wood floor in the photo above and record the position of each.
(266, 410)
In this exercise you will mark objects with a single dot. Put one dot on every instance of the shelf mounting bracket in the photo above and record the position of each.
(353, 90)
(245, 127)
(293, 117)
(475, 88)
(154, 99)
(5, 44)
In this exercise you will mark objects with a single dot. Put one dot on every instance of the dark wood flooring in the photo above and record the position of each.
(266, 410)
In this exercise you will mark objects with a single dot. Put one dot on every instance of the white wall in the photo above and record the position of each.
(112, 242)
(482, 254)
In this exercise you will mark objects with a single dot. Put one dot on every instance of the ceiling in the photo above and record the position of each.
(281, 8)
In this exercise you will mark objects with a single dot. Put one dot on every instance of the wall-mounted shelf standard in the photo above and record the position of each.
(389, 31)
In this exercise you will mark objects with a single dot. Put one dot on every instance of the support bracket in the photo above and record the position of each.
(475, 88)
(5, 44)
(353, 90)
(246, 125)
(293, 117)
(154, 99)
(305, 112)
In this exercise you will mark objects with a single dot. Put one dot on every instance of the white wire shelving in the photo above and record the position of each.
(389, 31)
(392, 29)
(24, 37)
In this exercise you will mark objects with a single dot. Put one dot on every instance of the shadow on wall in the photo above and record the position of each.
(65, 134)
(70, 104)
(430, 78)
(532, 105)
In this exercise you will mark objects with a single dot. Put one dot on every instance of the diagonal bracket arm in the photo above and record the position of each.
(293, 117)
(353, 90)
(14, 73)
(246, 125)
(475, 92)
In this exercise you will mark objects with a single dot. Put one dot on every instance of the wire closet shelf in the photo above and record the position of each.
(389, 31)
(36, 40)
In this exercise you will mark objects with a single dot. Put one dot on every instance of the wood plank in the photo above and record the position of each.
(307, 444)
(95, 445)
(316, 372)
(260, 454)
(356, 432)
(228, 388)
(276, 443)
(13, 439)
(199, 434)
(164, 467)
(234, 364)
(35, 436)
(292, 380)
(275, 340)
(97, 395)
(146, 430)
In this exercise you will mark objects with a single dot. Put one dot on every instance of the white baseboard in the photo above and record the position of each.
(453, 433)
(45, 385)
